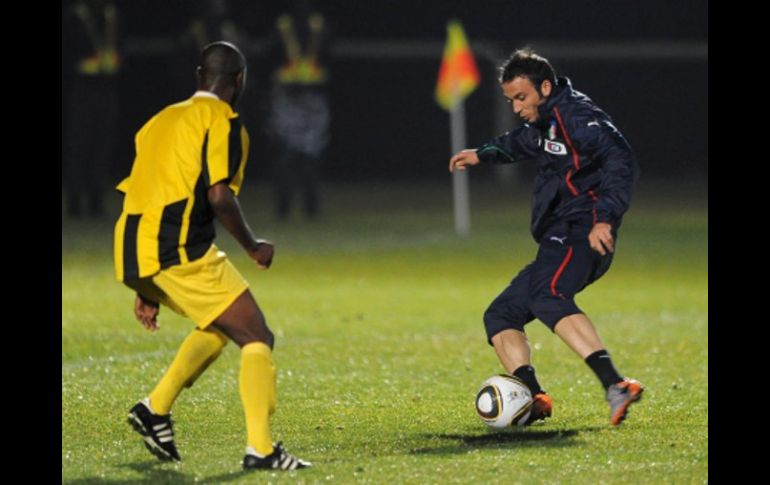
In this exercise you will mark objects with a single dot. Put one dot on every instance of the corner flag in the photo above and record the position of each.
(458, 75)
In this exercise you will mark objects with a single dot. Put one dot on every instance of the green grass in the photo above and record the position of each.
(380, 350)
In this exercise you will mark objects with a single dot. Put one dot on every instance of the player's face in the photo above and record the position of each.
(524, 98)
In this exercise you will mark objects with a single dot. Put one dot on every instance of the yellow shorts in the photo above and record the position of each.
(201, 290)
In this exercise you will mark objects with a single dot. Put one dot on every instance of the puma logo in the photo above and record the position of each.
(559, 240)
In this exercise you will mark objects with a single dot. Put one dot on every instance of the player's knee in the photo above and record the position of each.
(250, 336)
(495, 322)
(550, 310)
(259, 331)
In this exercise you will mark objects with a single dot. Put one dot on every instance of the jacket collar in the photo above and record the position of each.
(560, 92)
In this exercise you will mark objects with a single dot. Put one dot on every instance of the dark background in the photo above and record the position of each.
(645, 63)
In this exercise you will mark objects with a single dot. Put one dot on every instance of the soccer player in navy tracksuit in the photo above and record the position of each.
(585, 172)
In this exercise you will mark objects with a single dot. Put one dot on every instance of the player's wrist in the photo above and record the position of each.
(147, 301)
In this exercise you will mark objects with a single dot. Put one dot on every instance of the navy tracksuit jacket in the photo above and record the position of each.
(585, 167)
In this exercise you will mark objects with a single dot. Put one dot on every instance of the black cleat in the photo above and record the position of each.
(157, 431)
(277, 460)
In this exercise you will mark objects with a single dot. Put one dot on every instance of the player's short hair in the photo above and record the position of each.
(220, 59)
(526, 63)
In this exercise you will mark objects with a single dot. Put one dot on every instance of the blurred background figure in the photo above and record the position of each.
(213, 23)
(298, 110)
(92, 57)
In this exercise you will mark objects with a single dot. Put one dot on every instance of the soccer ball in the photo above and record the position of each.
(503, 401)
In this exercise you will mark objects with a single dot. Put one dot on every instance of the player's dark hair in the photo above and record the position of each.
(220, 59)
(526, 63)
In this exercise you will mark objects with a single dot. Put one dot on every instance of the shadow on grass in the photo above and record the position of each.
(161, 473)
(557, 438)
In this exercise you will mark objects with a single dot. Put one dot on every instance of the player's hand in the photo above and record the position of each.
(263, 253)
(146, 312)
(462, 159)
(601, 239)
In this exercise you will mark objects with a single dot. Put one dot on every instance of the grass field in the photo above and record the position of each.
(380, 350)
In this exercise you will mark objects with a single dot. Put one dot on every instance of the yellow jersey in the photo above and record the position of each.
(180, 153)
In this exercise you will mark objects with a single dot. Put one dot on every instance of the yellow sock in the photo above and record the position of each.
(257, 385)
(196, 353)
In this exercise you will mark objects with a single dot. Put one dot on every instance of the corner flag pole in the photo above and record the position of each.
(460, 191)
(458, 76)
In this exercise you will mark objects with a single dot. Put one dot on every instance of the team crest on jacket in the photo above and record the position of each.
(552, 130)
(555, 147)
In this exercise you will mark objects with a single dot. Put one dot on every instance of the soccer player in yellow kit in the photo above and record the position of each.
(188, 170)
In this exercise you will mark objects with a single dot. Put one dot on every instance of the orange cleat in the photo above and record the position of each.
(542, 406)
(620, 396)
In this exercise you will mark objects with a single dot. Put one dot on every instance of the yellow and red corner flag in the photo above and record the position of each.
(458, 75)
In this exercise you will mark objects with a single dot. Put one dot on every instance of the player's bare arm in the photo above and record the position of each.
(462, 159)
(146, 312)
(600, 238)
(228, 211)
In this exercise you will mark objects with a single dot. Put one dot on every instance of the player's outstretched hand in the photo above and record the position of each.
(263, 253)
(462, 159)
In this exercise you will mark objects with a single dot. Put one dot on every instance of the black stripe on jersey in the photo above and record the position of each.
(201, 233)
(168, 235)
(130, 257)
(205, 160)
(235, 150)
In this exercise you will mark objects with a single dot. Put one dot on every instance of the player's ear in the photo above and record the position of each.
(545, 88)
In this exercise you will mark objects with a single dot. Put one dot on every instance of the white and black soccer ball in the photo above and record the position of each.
(503, 401)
